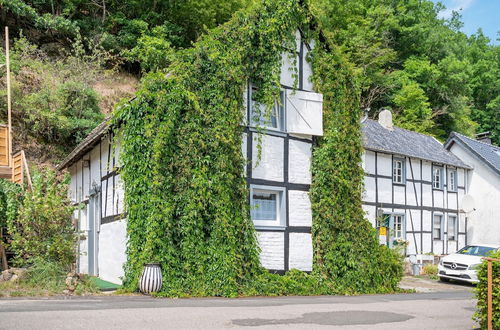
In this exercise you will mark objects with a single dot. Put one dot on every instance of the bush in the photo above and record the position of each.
(481, 291)
(43, 227)
(430, 269)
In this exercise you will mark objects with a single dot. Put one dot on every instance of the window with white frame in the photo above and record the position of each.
(398, 170)
(267, 206)
(261, 117)
(437, 177)
(452, 179)
(398, 226)
(452, 228)
(437, 229)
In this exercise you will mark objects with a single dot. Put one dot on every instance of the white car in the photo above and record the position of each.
(462, 265)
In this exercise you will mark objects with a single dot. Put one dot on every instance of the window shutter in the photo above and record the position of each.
(304, 113)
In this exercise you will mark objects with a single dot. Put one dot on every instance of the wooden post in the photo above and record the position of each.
(9, 106)
(490, 295)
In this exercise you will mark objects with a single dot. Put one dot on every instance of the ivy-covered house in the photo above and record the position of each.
(277, 147)
(413, 189)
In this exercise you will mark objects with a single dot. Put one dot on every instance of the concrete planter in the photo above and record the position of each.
(151, 279)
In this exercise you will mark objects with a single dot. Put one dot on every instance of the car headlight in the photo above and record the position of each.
(474, 266)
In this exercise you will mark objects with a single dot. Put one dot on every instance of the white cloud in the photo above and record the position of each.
(456, 5)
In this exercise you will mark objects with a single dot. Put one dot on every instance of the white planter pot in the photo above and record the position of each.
(151, 279)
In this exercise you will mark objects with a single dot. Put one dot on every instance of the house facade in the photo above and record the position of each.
(277, 147)
(483, 186)
(413, 189)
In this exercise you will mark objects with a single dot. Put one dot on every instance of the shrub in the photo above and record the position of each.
(430, 269)
(43, 227)
(481, 291)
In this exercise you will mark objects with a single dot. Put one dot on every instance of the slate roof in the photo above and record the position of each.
(84, 146)
(487, 153)
(407, 143)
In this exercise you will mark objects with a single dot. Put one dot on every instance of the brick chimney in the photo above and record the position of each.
(484, 137)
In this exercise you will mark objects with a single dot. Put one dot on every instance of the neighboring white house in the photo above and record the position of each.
(413, 189)
(278, 182)
(483, 185)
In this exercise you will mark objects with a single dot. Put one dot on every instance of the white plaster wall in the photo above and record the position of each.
(438, 198)
(270, 166)
(73, 183)
(384, 164)
(306, 72)
(426, 170)
(287, 69)
(427, 220)
(299, 205)
(119, 195)
(300, 251)
(272, 245)
(385, 190)
(452, 200)
(410, 193)
(484, 186)
(369, 162)
(112, 248)
(299, 160)
(427, 242)
(85, 178)
(415, 165)
(371, 213)
(95, 163)
(399, 194)
(427, 194)
(369, 192)
(105, 165)
(412, 215)
(438, 246)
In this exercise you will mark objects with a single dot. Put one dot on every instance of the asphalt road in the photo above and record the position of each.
(437, 310)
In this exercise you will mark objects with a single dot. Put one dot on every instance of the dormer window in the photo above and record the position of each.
(262, 118)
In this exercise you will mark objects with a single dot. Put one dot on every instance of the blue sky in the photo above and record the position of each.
(476, 14)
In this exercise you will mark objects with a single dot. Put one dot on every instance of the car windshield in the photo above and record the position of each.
(475, 250)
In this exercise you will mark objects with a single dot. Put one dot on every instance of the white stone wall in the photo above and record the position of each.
(270, 165)
(300, 213)
(301, 252)
(484, 185)
(272, 245)
(299, 154)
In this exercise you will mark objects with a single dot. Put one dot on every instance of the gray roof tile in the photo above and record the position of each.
(407, 143)
(487, 153)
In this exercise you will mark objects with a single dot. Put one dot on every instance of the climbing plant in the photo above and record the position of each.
(346, 247)
(185, 190)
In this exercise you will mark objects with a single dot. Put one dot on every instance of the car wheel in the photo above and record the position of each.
(444, 279)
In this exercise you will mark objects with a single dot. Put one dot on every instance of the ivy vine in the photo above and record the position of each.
(185, 190)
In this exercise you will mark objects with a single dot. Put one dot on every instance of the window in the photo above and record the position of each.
(261, 117)
(398, 226)
(267, 206)
(437, 230)
(452, 228)
(437, 177)
(452, 180)
(398, 170)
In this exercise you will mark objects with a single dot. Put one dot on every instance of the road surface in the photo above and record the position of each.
(436, 310)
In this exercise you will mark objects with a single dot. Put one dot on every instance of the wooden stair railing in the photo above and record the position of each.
(20, 168)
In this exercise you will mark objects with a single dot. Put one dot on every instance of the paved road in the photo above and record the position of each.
(438, 310)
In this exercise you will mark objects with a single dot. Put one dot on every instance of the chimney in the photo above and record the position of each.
(484, 137)
(385, 119)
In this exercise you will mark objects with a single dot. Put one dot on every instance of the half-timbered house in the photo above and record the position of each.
(413, 189)
(278, 179)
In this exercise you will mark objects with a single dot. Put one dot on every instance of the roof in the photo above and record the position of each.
(407, 143)
(88, 143)
(486, 153)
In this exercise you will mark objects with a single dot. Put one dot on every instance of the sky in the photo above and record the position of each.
(476, 14)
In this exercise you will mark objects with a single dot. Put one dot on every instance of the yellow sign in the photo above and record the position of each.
(383, 231)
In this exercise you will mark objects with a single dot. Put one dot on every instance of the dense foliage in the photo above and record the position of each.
(54, 103)
(42, 227)
(188, 204)
(346, 247)
(482, 293)
(434, 77)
